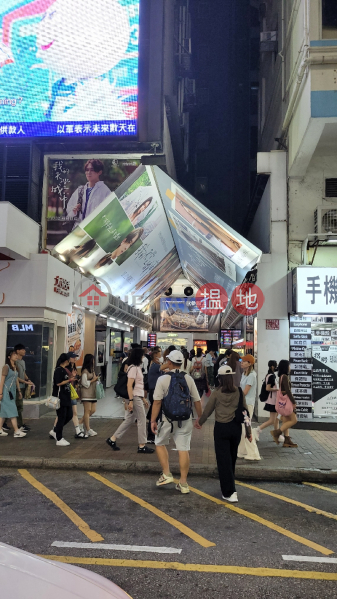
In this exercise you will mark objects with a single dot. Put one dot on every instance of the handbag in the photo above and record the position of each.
(284, 405)
(99, 391)
(73, 393)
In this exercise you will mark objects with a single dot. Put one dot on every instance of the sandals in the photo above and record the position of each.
(81, 435)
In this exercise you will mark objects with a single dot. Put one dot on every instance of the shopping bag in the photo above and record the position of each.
(99, 391)
(73, 392)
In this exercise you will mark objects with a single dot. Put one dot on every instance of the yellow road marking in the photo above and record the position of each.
(267, 523)
(321, 487)
(309, 508)
(83, 526)
(240, 570)
(184, 529)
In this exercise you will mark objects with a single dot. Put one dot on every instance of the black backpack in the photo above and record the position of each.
(177, 404)
(264, 394)
(121, 387)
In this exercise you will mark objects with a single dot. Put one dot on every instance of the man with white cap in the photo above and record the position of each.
(180, 430)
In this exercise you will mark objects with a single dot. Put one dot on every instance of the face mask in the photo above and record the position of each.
(161, 360)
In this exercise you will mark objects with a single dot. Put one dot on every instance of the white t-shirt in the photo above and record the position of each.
(163, 384)
(251, 380)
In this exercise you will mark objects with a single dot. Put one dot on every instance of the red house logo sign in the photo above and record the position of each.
(93, 296)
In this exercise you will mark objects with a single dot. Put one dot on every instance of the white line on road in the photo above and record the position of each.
(109, 547)
(303, 558)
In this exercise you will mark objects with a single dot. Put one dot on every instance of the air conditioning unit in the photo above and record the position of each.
(326, 219)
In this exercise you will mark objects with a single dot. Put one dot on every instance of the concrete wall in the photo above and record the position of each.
(272, 269)
(304, 197)
(259, 233)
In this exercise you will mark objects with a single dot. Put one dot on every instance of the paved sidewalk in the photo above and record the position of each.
(314, 460)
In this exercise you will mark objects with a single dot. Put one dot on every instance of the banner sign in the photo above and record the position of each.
(75, 334)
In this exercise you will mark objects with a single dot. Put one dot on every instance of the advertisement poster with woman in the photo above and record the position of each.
(126, 240)
(69, 68)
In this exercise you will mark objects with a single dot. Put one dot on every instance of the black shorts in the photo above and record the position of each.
(269, 407)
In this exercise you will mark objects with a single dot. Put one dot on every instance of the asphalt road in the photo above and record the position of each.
(220, 552)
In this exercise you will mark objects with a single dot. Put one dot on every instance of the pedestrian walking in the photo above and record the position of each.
(209, 367)
(192, 354)
(72, 373)
(174, 393)
(135, 405)
(198, 372)
(9, 387)
(61, 389)
(24, 382)
(153, 376)
(270, 405)
(187, 364)
(285, 405)
(248, 450)
(234, 361)
(225, 400)
(88, 394)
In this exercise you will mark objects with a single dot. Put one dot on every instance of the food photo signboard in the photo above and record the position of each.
(181, 313)
(69, 68)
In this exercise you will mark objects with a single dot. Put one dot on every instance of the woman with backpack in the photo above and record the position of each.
(135, 404)
(248, 384)
(229, 404)
(198, 372)
(269, 406)
(284, 395)
(186, 365)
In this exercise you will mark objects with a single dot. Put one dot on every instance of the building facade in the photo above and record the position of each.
(298, 119)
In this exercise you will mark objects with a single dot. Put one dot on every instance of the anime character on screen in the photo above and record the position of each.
(87, 197)
(78, 43)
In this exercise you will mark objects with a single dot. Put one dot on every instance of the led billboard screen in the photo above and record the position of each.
(68, 68)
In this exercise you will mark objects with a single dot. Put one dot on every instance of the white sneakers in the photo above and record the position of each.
(19, 434)
(91, 433)
(183, 487)
(256, 433)
(52, 434)
(3, 433)
(233, 498)
(62, 443)
(164, 479)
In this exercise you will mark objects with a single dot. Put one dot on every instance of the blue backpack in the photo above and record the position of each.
(177, 404)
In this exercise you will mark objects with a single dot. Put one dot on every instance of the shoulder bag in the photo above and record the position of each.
(284, 405)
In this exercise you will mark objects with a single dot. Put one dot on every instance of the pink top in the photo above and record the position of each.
(135, 372)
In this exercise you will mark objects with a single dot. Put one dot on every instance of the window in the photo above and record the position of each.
(331, 188)
(329, 19)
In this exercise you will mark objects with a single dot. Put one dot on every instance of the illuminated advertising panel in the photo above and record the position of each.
(76, 186)
(181, 313)
(68, 68)
(126, 240)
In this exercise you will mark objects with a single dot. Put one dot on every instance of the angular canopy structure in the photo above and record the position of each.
(148, 232)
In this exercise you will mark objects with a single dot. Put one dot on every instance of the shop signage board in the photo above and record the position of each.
(325, 380)
(273, 325)
(316, 290)
(152, 340)
(301, 365)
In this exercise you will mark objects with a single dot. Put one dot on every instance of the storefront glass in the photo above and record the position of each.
(38, 338)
